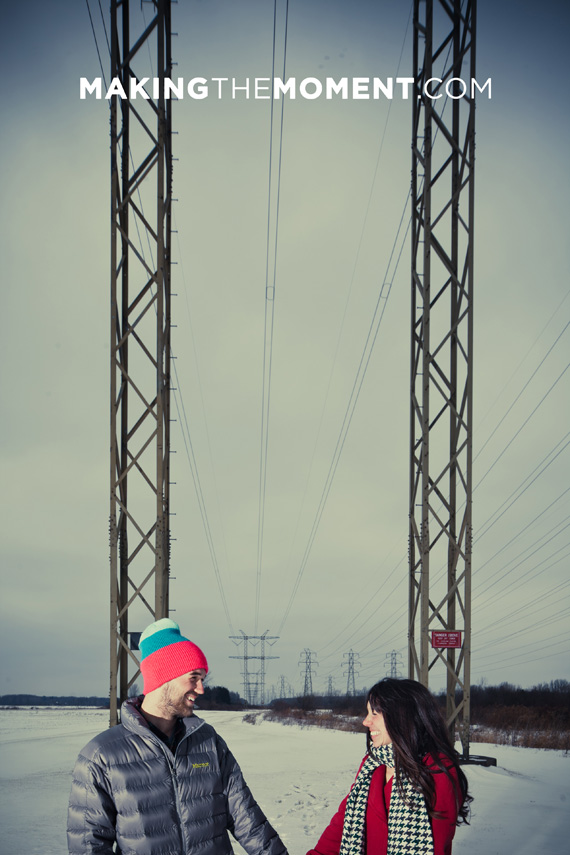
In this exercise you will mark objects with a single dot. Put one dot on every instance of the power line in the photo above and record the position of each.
(542, 361)
(552, 592)
(373, 614)
(490, 524)
(374, 328)
(398, 615)
(515, 617)
(365, 218)
(367, 604)
(269, 320)
(200, 496)
(523, 425)
(203, 405)
(334, 464)
(97, 44)
(516, 655)
(525, 528)
(104, 27)
(501, 577)
(531, 603)
(555, 314)
(549, 621)
(532, 644)
(525, 662)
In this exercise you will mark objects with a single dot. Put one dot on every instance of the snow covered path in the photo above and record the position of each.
(298, 776)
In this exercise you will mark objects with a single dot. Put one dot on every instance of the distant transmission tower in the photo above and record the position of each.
(308, 673)
(330, 686)
(254, 683)
(350, 674)
(141, 197)
(393, 662)
(441, 413)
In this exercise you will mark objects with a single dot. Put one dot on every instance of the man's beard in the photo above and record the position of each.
(175, 703)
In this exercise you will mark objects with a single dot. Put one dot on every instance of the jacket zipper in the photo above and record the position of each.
(174, 778)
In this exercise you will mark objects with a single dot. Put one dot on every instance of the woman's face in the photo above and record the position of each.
(374, 721)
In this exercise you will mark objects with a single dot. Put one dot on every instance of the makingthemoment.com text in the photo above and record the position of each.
(260, 88)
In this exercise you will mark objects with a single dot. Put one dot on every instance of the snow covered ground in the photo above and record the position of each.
(298, 776)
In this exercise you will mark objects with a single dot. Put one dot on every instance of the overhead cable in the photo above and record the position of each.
(554, 592)
(327, 488)
(523, 425)
(368, 603)
(192, 338)
(490, 522)
(97, 43)
(347, 301)
(374, 328)
(555, 314)
(181, 410)
(542, 361)
(536, 566)
(270, 284)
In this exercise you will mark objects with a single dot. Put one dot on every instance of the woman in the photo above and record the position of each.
(410, 793)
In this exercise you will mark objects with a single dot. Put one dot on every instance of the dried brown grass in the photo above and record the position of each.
(551, 739)
(309, 718)
(508, 726)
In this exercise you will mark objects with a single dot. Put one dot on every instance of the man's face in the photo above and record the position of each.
(179, 694)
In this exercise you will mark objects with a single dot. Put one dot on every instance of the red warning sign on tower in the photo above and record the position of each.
(447, 638)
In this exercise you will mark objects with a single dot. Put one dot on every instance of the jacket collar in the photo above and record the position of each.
(133, 719)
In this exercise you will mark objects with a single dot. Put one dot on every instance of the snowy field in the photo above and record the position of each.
(298, 776)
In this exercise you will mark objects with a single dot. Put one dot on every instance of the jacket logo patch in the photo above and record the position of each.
(200, 765)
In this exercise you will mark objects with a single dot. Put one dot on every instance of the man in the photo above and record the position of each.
(163, 782)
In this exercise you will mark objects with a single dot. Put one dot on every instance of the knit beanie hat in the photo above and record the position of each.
(166, 654)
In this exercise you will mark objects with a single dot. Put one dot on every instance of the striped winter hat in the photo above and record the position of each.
(166, 654)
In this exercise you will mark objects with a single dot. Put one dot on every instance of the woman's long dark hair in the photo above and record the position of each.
(416, 727)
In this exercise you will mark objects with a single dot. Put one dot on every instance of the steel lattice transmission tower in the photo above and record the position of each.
(392, 661)
(353, 665)
(308, 661)
(141, 182)
(443, 147)
(254, 683)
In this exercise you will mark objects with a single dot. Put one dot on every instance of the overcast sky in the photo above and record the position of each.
(344, 182)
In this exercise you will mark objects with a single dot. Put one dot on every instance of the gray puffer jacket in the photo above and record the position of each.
(129, 788)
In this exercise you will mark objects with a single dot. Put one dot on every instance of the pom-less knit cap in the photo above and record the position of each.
(166, 654)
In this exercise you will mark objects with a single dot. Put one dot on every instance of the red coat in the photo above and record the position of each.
(377, 818)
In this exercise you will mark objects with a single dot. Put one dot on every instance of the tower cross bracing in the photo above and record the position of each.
(141, 181)
(441, 413)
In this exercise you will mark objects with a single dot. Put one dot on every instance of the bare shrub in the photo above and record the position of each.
(551, 739)
(316, 718)
(504, 715)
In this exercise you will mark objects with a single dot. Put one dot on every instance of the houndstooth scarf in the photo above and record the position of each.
(409, 829)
